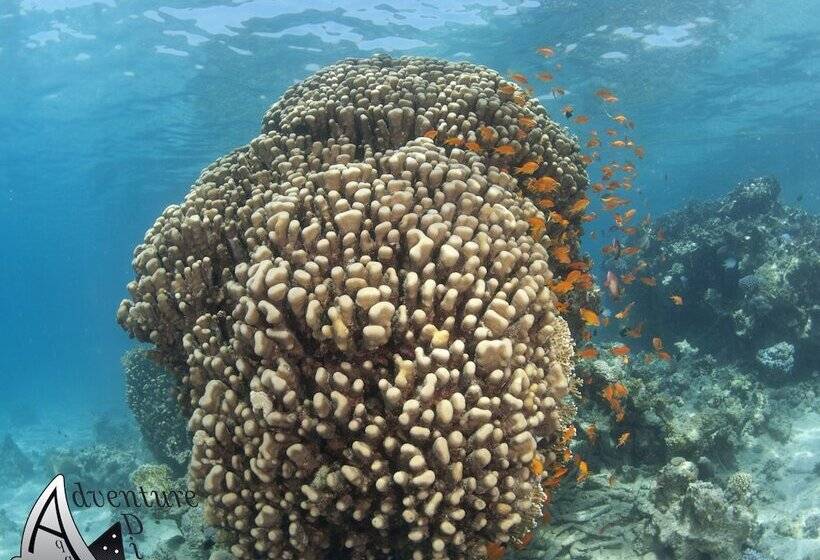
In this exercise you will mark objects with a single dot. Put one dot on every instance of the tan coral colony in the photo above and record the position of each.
(361, 320)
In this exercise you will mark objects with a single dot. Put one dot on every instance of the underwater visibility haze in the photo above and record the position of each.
(493, 279)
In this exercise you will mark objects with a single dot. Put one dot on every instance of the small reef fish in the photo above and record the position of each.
(546, 203)
(613, 394)
(622, 439)
(528, 168)
(453, 141)
(562, 287)
(526, 122)
(588, 353)
(544, 76)
(507, 89)
(611, 202)
(623, 120)
(592, 433)
(629, 251)
(486, 133)
(593, 142)
(612, 285)
(537, 466)
(561, 254)
(648, 280)
(634, 332)
(617, 143)
(431, 134)
(537, 226)
(525, 540)
(620, 350)
(613, 248)
(494, 551)
(582, 119)
(546, 52)
(583, 471)
(606, 95)
(567, 434)
(544, 184)
(519, 78)
(579, 205)
(473, 146)
(567, 110)
(657, 344)
(676, 299)
(624, 313)
(589, 317)
(505, 149)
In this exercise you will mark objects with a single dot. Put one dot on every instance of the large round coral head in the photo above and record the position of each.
(362, 319)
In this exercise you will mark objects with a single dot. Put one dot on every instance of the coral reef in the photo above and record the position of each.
(777, 359)
(695, 519)
(745, 266)
(358, 306)
(15, 466)
(150, 393)
(98, 466)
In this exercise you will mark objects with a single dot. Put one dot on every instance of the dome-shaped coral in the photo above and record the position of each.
(364, 327)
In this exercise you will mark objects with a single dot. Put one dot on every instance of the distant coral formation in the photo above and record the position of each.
(358, 306)
(150, 393)
(746, 267)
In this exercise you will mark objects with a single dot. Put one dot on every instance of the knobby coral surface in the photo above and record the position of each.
(361, 317)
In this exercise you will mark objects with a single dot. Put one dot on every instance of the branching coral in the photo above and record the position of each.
(362, 319)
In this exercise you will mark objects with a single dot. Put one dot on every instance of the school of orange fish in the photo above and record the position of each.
(618, 173)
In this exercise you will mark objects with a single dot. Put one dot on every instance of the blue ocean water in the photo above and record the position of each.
(109, 109)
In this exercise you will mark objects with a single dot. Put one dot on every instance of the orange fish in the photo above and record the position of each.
(453, 141)
(588, 353)
(537, 225)
(579, 265)
(568, 434)
(573, 276)
(487, 133)
(629, 251)
(528, 168)
(622, 120)
(622, 439)
(586, 159)
(624, 313)
(525, 540)
(657, 344)
(628, 168)
(583, 471)
(628, 278)
(648, 280)
(639, 152)
(494, 551)
(606, 95)
(582, 119)
(537, 466)
(505, 149)
(606, 172)
(665, 356)
(617, 143)
(589, 217)
(611, 132)
(619, 350)
(520, 100)
(526, 122)
(546, 203)
(546, 51)
(629, 214)
(611, 202)
(562, 287)
(519, 78)
(579, 205)
(520, 134)
(589, 317)
(676, 299)
(592, 433)
(473, 146)
(558, 219)
(544, 76)
(660, 235)
(561, 254)
(593, 142)
(507, 89)
(431, 134)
